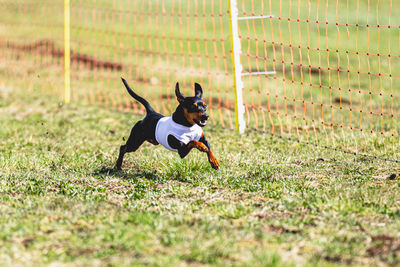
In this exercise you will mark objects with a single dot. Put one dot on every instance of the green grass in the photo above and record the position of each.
(273, 203)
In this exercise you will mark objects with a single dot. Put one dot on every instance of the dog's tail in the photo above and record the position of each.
(146, 104)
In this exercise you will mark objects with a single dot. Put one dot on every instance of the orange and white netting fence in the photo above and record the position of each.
(321, 72)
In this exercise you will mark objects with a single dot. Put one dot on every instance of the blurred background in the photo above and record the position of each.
(335, 63)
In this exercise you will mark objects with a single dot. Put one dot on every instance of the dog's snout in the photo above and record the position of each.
(204, 117)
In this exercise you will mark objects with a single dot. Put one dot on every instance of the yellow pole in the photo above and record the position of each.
(67, 53)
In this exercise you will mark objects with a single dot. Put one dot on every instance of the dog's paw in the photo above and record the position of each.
(214, 162)
(117, 168)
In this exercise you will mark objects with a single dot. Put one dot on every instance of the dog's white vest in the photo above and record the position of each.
(166, 126)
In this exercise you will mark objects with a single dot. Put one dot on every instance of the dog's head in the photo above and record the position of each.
(194, 108)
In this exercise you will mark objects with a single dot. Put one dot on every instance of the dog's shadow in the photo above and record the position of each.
(103, 172)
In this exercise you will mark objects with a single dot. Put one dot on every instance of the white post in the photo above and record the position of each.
(237, 67)
(67, 53)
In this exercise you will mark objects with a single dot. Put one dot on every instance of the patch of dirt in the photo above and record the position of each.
(76, 252)
(26, 242)
(48, 47)
(338, 259)
(343, 101)
(262, 215)
(384, 246)
(281, 230)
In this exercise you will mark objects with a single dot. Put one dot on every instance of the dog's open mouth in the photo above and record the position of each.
(201, 122)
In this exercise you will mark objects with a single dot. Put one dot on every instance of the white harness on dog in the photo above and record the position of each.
(166, 126)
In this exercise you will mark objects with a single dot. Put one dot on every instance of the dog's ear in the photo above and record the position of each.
(178, 94)
(198, 91)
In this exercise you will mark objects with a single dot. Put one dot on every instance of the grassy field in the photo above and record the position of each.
(273, 203)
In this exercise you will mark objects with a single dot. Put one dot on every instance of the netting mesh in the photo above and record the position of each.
(153, 44)
(334, 65)
(31, 45)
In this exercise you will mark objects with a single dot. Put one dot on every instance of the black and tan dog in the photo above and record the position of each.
(180, 133)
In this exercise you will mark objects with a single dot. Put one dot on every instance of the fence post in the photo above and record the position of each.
(67, 53)
(237, 66)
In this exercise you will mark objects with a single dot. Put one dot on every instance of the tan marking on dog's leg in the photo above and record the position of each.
(199, 145)
(213, 160)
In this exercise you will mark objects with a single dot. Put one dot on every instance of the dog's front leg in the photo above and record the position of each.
(203, 148)
(184, 149)
(211, 158)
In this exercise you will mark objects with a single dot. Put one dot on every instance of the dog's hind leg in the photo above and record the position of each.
(135, 140)
(122, 151)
